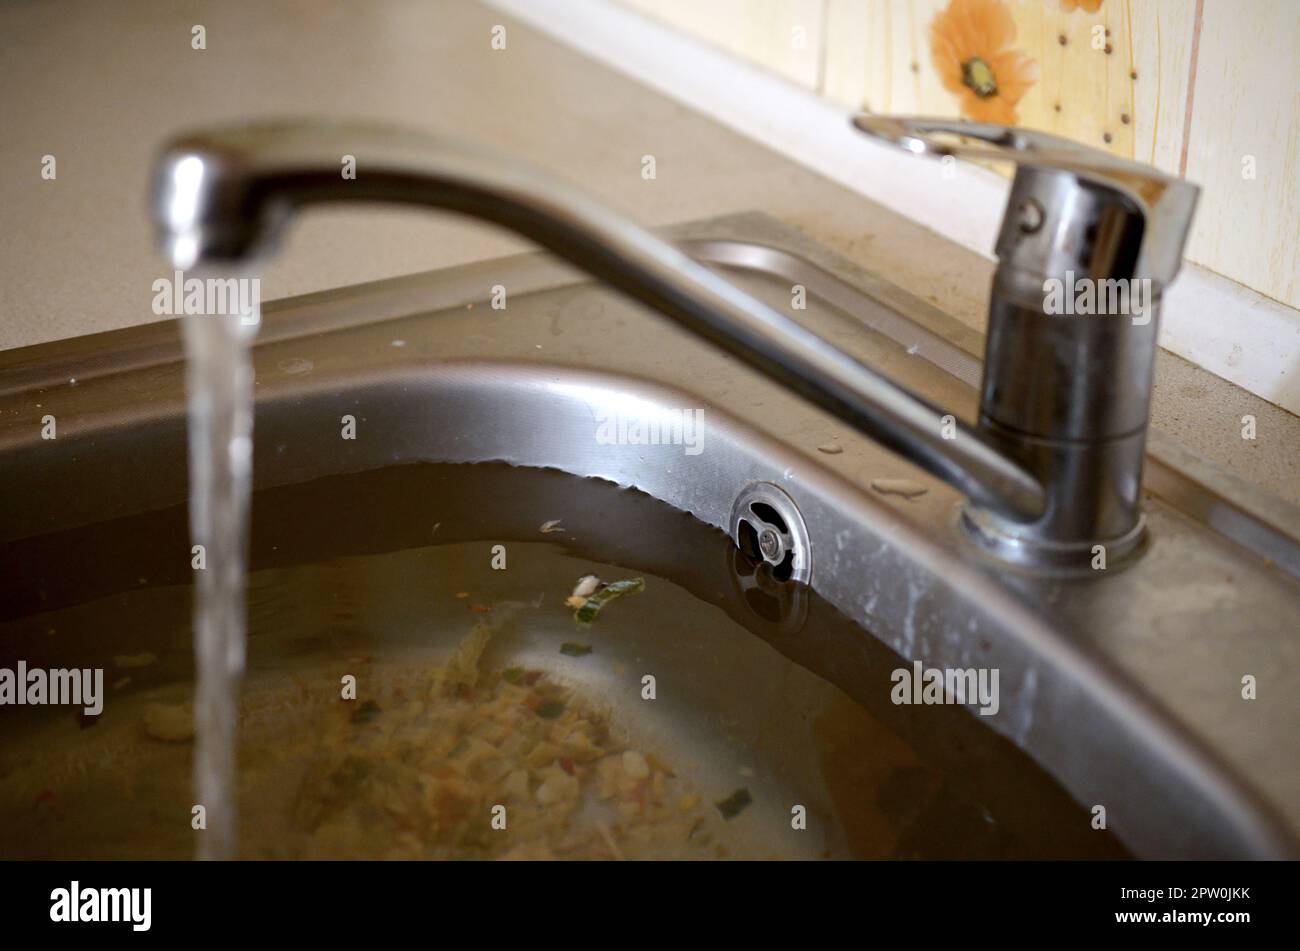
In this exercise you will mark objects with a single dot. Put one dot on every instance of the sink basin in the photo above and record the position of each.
(1121, 694)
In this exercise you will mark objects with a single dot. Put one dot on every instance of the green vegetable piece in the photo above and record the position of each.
(550, 709)
(734, 804)
(513, 675)
(573, 649)
(587, 613)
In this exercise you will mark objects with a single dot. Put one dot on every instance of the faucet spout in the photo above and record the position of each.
(225, 195)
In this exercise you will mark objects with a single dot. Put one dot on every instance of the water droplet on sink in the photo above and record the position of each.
(295, 366)
(904, 487)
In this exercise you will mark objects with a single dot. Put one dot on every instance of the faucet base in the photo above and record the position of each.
(1021, 546)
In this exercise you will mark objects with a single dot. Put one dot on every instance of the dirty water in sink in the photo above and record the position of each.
(476, 688)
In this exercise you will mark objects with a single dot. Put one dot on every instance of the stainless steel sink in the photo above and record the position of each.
(1127, 687)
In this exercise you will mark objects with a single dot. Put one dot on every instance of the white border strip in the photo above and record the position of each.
(1233, 332)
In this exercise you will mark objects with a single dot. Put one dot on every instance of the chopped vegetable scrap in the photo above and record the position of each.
(169, 722)
(550, 709)
(593, 605)
(417, 769)
(574, 649)
(366, 712)
(734, 804)
(421, 780)
(584, 589)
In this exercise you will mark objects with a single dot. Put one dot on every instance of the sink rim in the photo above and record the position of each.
(1250, 515)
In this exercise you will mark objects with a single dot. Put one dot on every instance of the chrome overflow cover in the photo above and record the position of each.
(766, 525)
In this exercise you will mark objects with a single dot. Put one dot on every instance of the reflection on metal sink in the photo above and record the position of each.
(1126, 687)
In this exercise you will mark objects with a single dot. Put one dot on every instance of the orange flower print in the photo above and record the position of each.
(1087, 6)
(970, 44)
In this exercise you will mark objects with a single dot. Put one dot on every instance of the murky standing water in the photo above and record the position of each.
(219, 382)
(477, 687)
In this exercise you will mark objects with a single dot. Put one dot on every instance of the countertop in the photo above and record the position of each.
(99, 86)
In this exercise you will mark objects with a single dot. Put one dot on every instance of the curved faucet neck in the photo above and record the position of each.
(225, 195)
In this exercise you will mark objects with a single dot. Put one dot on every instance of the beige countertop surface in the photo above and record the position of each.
(99, 86)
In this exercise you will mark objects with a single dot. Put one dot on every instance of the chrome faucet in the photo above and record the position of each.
(1053, 467)
(1068, 395)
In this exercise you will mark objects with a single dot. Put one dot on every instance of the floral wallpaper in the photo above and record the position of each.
(973, 48)
(1205, 89)
(972, 44)
(1064, 66)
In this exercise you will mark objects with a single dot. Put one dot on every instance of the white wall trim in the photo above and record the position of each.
(1242, 336)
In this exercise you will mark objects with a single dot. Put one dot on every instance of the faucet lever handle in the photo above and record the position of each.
(1050, 173)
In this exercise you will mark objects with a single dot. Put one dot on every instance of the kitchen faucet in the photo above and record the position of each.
(1051, 470)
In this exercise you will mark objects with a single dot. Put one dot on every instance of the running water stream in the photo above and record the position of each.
(219, 380)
